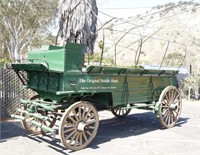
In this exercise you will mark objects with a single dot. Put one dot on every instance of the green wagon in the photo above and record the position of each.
(73, 94)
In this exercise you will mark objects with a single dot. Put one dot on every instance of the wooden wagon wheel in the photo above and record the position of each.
(79, 125)
(119, 112)
(33, 128)
(170, 108)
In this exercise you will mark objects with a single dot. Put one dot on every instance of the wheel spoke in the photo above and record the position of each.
(120, 112)
(166, 119)
(72, 119)
(68, 124)
(176, 112)
(167, 98)
(165, 112)
(123, 111)
(76, 139)
(175, 95)
(74, 114)
(48, 120)
(81, 138)
(164, 102)
(174, 118)
(90, 122)
(177, 98)
(79, 112)
(172, 95)
(84, 111)
(164, 107)
(165, 115)
(69, 129)
(85, 117)
(90, 117)
(89, 133)
(176, 101)
(72, 133)
(91, 127)
(170, 118)
(72, 139)
(85, 137)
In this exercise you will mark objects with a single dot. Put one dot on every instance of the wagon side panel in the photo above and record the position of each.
(161, 82)
(112, 88)
(139, 89)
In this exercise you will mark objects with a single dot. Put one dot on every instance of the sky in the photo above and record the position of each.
(127, 8)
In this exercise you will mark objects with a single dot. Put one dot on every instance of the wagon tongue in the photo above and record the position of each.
(30, 115)
(21, 115)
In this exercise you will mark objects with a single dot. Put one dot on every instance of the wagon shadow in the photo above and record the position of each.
(10, 130)
(132, 125)
(52, 143)
(109, 129)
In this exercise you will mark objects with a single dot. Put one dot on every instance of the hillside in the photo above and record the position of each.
(163, 30)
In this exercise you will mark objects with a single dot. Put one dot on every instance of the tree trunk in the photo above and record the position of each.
(78, 23)
(189, 93)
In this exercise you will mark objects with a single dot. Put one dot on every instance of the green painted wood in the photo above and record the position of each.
(135, 71)
(57, 74)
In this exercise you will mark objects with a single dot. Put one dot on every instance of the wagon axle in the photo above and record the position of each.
(173, 107)
(82, 127)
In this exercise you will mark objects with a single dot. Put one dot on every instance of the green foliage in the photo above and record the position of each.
(96, 58)
(3, 61)
(46, 39)
(173, 59)
(100, 44)
(191, 82)
(21, 21)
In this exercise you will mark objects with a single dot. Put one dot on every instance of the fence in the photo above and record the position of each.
(11, 90)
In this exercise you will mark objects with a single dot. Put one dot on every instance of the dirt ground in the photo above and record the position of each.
(137, 134)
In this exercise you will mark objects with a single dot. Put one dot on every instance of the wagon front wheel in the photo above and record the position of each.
(33, 128)
(79, 125)
(119, 112)
(27, 122)
(170, 106)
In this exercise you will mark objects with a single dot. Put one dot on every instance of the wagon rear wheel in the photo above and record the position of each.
(170, 108)
(119, 112)
(79, 125)
(33, 128)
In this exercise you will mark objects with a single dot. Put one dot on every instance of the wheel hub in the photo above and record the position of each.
(173, 107)
(82, 126)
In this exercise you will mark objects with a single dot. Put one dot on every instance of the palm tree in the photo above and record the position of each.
(77, 22)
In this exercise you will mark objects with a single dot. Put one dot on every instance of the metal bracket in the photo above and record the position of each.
(157, 109)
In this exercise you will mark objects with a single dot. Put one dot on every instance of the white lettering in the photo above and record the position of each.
(98, 81)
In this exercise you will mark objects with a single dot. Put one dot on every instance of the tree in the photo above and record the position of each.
(191, 83)
(78, 22)
(20, 20)
(173, 59)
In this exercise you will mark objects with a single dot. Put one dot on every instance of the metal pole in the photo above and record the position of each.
(118, 42)
(164, 54)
